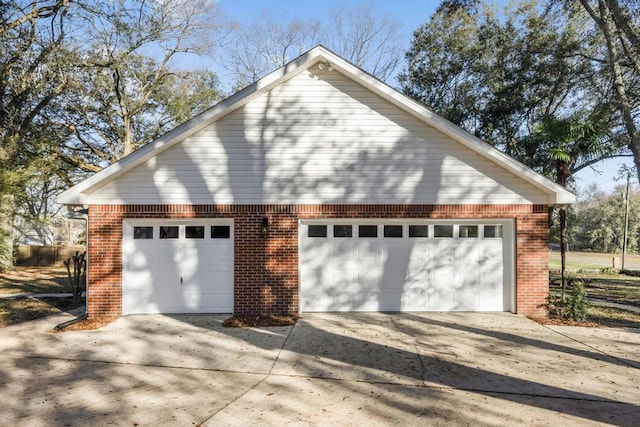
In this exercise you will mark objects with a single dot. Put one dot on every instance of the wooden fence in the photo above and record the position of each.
(45, 255)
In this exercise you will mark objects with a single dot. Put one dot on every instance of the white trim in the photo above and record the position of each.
(79, 193)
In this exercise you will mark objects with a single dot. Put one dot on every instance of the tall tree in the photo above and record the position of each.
(442, 70)
(495, 75)
(367, 39)
(85, 83)
(261, 47)
(126, 92)
(559, 147)
(617, 22)
(600, 222)
(34, 72)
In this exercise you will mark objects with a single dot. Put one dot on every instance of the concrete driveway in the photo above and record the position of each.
(355, 369)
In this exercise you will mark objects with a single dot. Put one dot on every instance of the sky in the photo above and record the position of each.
(410, 14)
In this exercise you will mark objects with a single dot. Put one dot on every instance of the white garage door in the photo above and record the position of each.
(418, 265)
(177, 266)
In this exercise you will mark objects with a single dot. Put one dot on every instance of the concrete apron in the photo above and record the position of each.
(435, 368)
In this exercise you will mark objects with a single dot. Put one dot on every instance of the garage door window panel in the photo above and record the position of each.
(443, 231)
(194, 232)
(342, 231)
(317, 231)
(468, 231)
(220, 232)
(141, 233)
(493, 232)
(367, 231)
(392, 231)
(419, 231)
(169, 232)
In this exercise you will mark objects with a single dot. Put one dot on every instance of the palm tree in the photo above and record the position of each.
(560, 147)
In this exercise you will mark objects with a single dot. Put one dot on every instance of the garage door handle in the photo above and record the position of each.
(180, 280)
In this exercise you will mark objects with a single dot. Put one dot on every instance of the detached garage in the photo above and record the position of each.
(317, 188)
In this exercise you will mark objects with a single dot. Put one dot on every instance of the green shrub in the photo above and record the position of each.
(574, 307)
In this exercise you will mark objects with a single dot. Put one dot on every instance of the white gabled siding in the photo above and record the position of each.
(318, 138)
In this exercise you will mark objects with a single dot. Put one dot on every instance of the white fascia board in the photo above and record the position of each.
(80, 193)
(556, 193)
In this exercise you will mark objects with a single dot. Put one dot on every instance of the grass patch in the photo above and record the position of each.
(618, 288)
(260, 321)
(556, 264)
(613, 317)
(34, 280)
(609, 287)
(18, 310)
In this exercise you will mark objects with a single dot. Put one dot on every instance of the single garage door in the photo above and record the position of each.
(177, 266)
(408, 265)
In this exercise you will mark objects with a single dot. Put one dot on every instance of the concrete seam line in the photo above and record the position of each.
(415, 348)
(235, 399)
(631, 365)
(144, 365)
(281, 349)
(256, 384)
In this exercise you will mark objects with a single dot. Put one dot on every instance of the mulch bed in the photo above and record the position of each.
(260, 321)
(557, 321)
(88, 324)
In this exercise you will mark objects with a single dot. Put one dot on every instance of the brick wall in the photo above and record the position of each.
(266, 269)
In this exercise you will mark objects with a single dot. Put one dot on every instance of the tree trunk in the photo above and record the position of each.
(606, 23)
(563, 248)
(563, 173)
(623, 23)
(127, 143)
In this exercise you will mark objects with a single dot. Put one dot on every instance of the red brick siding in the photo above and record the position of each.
(266, 269)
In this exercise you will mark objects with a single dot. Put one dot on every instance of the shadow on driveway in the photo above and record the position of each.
(531, 366)
(343, 368)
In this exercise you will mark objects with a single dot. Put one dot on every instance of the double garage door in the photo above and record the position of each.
(177, 266)
(345, 265)
(408, 265)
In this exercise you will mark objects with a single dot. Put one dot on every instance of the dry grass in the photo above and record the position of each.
(613, 317)
(592, 260)
(34, 280)
(20, 310)
(260, 321)
(612, 287)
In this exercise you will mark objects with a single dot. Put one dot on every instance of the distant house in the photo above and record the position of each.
(317, 188)
(27, 233)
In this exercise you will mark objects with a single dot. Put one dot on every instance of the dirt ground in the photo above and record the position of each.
(34, 280)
